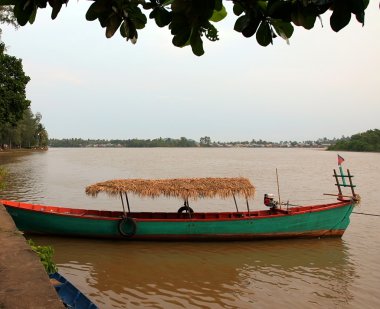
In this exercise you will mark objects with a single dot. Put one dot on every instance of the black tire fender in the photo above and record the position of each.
(128, 223)
(185, 209)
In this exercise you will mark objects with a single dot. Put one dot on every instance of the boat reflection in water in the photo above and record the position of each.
(207, 274)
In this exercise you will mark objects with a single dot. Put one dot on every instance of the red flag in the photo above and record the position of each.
(340, 160)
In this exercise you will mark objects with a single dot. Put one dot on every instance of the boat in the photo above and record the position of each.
(279, 220)
(69, 294)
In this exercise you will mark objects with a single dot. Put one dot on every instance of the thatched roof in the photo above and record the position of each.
(192, 188)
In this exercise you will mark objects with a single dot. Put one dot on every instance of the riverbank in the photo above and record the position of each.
(22, 149)
(24, 282)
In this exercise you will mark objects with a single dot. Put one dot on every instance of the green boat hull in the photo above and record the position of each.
(324, 222)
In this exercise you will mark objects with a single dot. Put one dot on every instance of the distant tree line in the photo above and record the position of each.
(184, 142)
(28, 132)
(158, 142)
(366, 141)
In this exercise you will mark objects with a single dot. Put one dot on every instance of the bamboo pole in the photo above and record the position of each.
(122, 202)
(351, 185)
(337, 182)
(188, 207)
(338, 195)
(126, 198)
(278, 188)
(342, 174)
(237, 210)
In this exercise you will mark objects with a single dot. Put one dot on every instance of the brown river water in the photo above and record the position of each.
(313, 273)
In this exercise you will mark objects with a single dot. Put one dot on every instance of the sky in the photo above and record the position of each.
(324, 84)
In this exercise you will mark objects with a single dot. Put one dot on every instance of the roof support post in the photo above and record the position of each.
(188, 207)
(237, 209)
(247, 206)
(126, 198)
(122, 202)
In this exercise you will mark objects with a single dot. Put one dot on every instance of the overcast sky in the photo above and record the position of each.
(84, 85)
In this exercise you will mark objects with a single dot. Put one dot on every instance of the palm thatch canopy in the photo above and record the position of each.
(185, 188)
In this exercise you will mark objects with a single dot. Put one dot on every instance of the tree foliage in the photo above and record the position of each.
(367, 141)
(135, 143)
(13, 81)
(190, 21)
(28, 132)
(7, 17)
(205, 141)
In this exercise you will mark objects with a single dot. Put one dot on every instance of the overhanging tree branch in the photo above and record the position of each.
(189, 21)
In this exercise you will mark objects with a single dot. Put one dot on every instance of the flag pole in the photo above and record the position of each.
(340, 161)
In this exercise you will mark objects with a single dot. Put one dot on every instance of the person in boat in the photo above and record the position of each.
(269, 200)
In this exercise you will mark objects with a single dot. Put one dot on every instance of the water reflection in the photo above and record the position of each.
(24, 182)
(233, 275)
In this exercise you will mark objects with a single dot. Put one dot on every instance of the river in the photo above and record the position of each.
(313, 273)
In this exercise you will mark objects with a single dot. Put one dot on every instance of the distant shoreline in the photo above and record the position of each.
(178, 147)
(23, 150)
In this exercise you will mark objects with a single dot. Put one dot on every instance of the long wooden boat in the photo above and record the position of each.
(324, 220)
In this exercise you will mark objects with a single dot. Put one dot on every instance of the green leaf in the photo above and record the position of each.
(112, 26)
(264, 34)
(163, 17)
(97, 9)
(219, 15)
(137, 17)
(251, 29)
(358, 7)
(340, 17)
(241, 23)
(181, 39)
(132, 33)
(196, 43)
(360, 18)
(23, 12)
(304, 16)
(238, 9)
(283, 29)
(180, 29)
(56, 10)
(33, 16)
(124, 29)
(92, 12)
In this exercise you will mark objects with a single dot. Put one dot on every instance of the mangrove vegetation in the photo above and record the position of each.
(366, 141)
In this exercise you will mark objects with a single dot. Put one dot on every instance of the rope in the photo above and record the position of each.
(366, 214)
(297, 205)
(313, 199)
